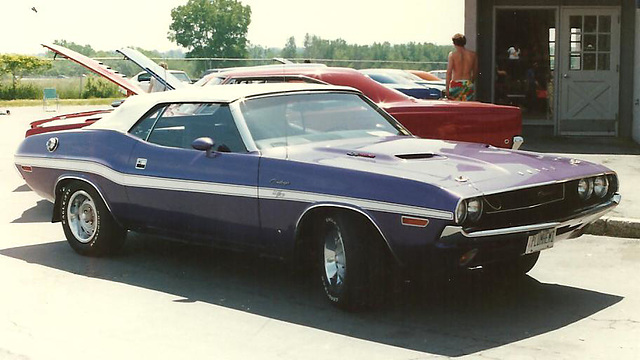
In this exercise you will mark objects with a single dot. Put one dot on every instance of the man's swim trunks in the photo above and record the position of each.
(462, 90)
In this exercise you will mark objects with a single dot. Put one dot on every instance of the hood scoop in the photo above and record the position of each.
(420, 156)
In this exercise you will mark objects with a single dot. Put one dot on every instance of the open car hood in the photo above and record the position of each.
(96, 67)
(150, 66)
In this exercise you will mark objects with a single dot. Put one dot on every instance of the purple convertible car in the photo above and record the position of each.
(316, 174)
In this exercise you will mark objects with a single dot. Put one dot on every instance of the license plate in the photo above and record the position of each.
(540, 241)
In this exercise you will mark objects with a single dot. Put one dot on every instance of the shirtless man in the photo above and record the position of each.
(462, 70)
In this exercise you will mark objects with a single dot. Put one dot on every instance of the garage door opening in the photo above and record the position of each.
(525, 53)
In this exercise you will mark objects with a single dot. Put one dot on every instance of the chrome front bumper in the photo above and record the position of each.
(565, 229)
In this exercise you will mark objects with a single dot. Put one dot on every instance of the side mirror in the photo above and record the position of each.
(203, 144)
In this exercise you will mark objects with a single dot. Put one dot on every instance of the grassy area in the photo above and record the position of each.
(68, 88)
(16, 103)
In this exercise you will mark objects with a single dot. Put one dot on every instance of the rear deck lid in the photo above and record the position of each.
(96, 67)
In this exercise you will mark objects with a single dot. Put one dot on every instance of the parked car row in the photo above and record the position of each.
(496, 125)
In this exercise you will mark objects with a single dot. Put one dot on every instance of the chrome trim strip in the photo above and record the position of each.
(581, 219)
(511, 230)
(97, 189)
(243, 129)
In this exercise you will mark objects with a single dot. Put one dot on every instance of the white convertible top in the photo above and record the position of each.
(125, 116)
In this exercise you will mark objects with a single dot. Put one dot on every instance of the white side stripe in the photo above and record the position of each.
(293, 195)
(152, 182)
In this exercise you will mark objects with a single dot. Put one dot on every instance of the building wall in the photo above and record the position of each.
(484, 47)
(470, 23)
(636, 95)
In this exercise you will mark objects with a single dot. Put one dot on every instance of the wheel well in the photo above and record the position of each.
(58, 198)
(309, 223)
(60, 186)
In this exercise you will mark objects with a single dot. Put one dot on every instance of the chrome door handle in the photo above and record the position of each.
(566, 76)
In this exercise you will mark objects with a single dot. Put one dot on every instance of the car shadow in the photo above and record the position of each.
(40, 212)
(461, 317)
(22, 188)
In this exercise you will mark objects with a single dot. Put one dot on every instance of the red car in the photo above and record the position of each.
(436, 119)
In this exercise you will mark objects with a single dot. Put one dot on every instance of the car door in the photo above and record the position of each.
(211, 197)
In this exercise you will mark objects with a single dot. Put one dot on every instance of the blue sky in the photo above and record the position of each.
(112, 24)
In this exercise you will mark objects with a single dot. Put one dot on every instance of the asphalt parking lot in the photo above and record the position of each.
(162, 299)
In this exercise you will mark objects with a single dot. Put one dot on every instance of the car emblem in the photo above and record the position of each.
(52, 144)
(543, 193)
(141, 163)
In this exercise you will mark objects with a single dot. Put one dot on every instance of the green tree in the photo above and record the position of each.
(211, 28)
(290, 50)
(85, 50)
(20, 65)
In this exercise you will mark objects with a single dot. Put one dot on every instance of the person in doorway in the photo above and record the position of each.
(462, 69)
(154, 84)
(532, 86)
(514, 52)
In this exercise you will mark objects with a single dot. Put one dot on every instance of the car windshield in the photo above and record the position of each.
(294, 119)
(206, 81)
(182, 76)
(390, 78)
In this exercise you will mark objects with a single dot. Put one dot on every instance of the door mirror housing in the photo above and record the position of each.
(203, 144)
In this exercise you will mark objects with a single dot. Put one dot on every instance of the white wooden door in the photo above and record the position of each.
(589, 71)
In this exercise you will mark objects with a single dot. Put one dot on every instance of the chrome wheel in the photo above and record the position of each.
(335, 261)
(82, 216)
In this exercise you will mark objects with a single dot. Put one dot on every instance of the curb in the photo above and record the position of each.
(616, 227)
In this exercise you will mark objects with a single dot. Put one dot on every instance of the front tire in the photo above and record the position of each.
(353, 262)
(88, 225)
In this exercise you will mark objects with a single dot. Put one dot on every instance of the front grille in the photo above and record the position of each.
(524, 199)
(540, 204)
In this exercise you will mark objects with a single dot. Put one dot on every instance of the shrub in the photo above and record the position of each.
(99, 88)
(21, 91)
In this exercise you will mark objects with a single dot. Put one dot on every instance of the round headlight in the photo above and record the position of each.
(474, 209)
(585, 188)
(461, 212)
(600, 186)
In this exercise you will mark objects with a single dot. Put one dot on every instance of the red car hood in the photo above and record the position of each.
(96, 67)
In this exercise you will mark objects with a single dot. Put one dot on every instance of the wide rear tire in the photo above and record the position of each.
(88, 225)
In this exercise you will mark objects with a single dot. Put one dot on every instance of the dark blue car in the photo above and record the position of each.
(416, 88)
(314, 174)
